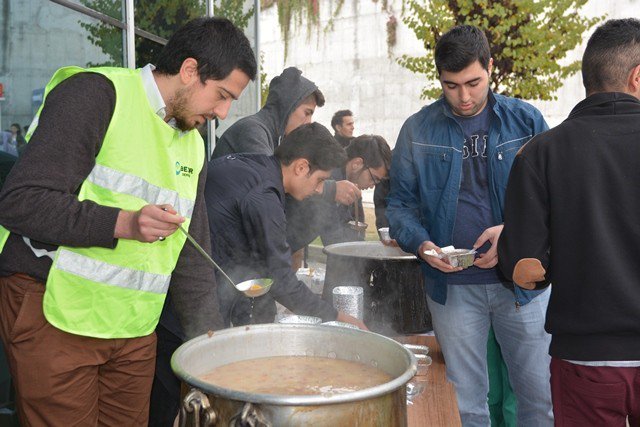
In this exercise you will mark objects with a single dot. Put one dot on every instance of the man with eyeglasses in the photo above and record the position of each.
(368, 161)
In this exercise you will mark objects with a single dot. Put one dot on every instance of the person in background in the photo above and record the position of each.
(343, 125)
(245, 195)
(17, 139)
(448, 174)
(89, 214)
(367, 166)
(571, 212)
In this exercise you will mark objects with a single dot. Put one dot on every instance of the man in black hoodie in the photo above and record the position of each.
(571, 219)
(245, 195)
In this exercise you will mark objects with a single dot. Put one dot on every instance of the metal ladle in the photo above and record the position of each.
(357, 225)
(247, 287)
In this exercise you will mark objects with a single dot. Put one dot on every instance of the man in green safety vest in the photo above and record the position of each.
(113, 166)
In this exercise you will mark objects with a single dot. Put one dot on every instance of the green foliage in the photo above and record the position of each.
(529, 40)
(299, 11)
(233, 10)
(264, 83)
(108, 38)
(308, 11)
(159, 17)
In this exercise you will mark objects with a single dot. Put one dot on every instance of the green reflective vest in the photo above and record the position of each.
(119, 293)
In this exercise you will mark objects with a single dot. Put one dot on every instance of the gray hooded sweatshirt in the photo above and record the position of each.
(261, 132)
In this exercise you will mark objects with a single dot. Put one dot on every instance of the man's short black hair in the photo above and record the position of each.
(460, 47)
(314, 143)
(219, 47)
(337, 118)
(611, 52)
(317, 96)
(373, 149)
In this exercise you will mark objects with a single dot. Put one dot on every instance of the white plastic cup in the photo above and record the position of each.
(349, 300)
(384, 234)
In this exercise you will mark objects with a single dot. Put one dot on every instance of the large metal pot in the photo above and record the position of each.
(395, 301)
(382, 405)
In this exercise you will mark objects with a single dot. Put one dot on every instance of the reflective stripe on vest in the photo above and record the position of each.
(114, 275)
(121, 183)
(118, 182)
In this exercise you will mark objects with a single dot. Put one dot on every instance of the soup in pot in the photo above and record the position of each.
(296, 375)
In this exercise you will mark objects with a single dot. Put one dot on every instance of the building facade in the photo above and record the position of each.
(354, 68)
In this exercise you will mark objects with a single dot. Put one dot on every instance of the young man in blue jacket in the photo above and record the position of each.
(448, 176)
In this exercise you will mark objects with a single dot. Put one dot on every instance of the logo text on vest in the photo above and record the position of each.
(183, 170)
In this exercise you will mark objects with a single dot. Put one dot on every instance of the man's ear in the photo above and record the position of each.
(189, 71)
(357, 163)
(634, 81)
(300, 167)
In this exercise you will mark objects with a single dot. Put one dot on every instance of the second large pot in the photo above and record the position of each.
(395, 300)
(382, 405)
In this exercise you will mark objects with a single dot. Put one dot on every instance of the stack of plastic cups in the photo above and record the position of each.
(349, 300)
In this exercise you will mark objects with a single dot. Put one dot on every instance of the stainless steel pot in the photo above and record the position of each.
(208, 404)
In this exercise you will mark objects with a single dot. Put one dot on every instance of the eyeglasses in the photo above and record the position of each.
(374, 178)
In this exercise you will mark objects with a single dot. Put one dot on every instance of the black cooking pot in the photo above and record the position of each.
(394, 297)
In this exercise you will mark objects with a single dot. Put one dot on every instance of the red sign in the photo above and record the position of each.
(1, 91)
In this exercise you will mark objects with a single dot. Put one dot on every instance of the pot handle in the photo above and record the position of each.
(197, 403)
(417, 349)
(250, 416)
(417, 385)
(421, 353)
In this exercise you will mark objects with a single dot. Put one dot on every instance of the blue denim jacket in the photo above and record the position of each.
(426, 171)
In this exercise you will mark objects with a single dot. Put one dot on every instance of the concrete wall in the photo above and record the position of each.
(352, 66)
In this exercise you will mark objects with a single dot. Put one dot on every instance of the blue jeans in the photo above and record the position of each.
(461, 327)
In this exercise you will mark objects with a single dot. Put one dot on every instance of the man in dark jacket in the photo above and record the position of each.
(245, 196)
(571, 219)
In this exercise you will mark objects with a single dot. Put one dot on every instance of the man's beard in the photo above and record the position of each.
(179, 110)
